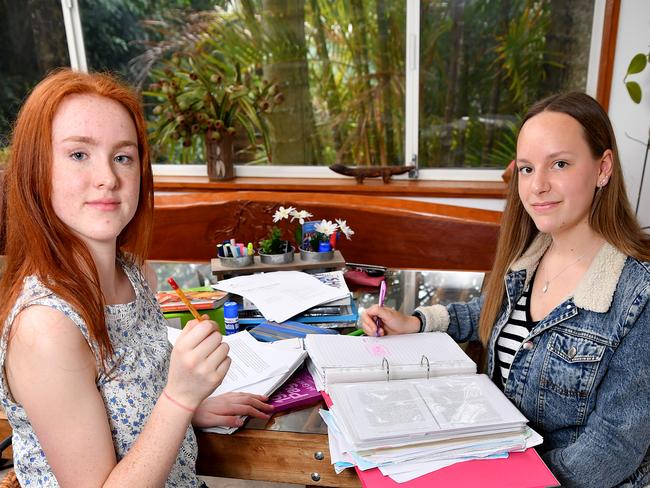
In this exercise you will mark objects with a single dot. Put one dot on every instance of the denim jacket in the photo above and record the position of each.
(582, 376)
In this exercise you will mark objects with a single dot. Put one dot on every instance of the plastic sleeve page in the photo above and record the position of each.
(380, 410)
(474, 402)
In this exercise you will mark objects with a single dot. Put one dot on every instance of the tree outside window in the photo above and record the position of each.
(340, 67)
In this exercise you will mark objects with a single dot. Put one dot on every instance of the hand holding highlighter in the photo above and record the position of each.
(382, 297)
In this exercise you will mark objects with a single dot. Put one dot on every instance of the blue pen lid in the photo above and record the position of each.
(324, 247)
(230, 310)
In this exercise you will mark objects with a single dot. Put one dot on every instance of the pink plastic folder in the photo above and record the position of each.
(519, 470)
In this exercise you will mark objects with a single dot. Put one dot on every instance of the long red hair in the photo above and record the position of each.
(37, 242)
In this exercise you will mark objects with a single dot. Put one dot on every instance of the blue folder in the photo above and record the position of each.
(272, 331)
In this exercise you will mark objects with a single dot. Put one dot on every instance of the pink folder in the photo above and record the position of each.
(519, 470)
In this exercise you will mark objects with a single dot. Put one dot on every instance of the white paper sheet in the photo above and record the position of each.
(281, 295)
(256, 367)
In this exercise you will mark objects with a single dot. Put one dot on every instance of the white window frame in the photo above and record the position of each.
(74, 35)
(76, 49)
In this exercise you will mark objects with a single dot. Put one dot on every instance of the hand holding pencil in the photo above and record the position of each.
(185, 300)
(199, 361)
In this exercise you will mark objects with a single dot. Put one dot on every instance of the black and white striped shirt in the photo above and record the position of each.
(512, 335)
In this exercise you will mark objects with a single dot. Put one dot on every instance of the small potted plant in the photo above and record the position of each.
(200, 106)
(319, 239)
(274, 249)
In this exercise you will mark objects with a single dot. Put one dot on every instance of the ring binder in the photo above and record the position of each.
(422, 360)
(385, 362)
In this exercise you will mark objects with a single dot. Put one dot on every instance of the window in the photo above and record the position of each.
(483, 63)
(32, 42)
(346, 90)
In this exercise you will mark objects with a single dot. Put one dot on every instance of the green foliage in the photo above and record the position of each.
(273, 244)
(637, 65)
(482, 64)
(5, 152)
(199, 94)
(477, 59)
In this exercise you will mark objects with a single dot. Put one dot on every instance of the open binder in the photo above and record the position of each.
(406, 412)
(345, 359)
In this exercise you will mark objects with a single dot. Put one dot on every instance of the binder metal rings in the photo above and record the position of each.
(424, 360)
(385, 365)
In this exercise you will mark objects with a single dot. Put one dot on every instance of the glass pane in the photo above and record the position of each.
(32, 42)
(483, 63)
(300, 82)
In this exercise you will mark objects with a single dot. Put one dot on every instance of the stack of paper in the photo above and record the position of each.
(281, 295)
(256, 367)
(410, 404)
(416, 426)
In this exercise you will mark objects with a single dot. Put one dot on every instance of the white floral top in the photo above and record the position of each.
(136, 377)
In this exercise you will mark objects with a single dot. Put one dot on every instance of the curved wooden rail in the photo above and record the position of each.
(388, 231)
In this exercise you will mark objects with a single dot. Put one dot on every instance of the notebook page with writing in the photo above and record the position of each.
(349, 358)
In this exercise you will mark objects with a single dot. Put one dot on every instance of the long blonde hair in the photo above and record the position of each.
(611, 213)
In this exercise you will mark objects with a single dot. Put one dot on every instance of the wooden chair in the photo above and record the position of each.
(10, 480)
(391, 232)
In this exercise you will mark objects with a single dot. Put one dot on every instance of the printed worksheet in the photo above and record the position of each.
(281, 295)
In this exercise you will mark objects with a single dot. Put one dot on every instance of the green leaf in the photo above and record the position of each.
(637, 65)
(634, 90)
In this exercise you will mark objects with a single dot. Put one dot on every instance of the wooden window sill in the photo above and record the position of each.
(403, 188)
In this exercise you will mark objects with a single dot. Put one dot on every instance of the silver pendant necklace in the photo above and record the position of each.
(548, 281)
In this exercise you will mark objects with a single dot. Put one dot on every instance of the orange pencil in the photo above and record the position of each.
(182, 296)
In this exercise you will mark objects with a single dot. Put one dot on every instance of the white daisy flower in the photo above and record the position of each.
(347, 231)
(326, 227)
(301, 215)
(282, 213)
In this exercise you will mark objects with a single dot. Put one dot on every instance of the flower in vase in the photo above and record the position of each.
(345, 229)
(326, 227)
(301, 215)
(274, 243)
(282, 214)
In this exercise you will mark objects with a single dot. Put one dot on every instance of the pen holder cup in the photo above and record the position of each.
(237, 262)
(283, 258)
(316, 256)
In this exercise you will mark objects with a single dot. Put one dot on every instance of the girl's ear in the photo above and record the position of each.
(605, 170)
(606, 163)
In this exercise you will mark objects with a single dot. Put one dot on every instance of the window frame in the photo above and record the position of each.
(599, 72)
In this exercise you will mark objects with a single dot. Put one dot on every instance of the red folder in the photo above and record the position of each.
(519, 470)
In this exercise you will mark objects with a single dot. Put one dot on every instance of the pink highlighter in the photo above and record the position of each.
(382, 297)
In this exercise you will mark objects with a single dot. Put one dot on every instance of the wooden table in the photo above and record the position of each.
(290, 448)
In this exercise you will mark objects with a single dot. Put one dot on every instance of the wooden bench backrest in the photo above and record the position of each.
(388, 231)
